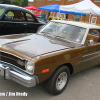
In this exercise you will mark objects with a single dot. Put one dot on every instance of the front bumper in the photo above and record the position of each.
(17, 76)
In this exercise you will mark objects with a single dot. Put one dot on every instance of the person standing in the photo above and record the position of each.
(48, 15)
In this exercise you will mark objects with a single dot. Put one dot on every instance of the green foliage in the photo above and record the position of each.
(18, 2)
(1, 1)
(25, 3)
(5, 1)
(15, 2)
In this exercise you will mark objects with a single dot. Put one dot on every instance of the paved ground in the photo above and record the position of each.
(84, 85)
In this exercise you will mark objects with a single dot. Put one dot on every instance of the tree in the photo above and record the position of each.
(15, 2)
(18, 2)
(25, 3)
(1, 1)
(5, 1)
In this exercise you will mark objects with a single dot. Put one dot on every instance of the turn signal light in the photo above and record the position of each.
(44, 71)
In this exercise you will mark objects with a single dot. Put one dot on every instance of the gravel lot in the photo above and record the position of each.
(84, 85)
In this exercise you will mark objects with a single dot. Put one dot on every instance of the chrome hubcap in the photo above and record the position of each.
(61, 81)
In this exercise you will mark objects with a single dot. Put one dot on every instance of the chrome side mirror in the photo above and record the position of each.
(90, 42)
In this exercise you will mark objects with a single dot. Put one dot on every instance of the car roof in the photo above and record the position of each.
(80, 24)
(13, 7)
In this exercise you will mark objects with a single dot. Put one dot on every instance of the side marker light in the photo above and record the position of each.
(45, 70)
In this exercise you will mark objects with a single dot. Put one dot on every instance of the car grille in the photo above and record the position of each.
(12, 60)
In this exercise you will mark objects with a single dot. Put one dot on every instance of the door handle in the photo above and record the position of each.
(25, 24)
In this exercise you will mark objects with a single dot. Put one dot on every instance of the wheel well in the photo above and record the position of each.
(70, 67)
(67, 65)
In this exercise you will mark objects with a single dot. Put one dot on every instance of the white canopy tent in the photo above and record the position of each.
(85, 6)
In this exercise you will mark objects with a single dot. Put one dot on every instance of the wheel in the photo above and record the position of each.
(58, 81)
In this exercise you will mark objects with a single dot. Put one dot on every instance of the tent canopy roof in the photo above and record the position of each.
(55, 8)
(85, 6)
(32, 8)
(51, 8)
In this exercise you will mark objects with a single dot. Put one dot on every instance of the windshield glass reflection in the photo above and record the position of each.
(64, 31)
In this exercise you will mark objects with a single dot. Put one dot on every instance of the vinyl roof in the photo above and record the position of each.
(80, 24)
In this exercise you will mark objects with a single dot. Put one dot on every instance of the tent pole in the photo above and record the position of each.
(41, 12)
(53, 15)
(89, 18)
(59, 13)
(81, 18)
(84, 18)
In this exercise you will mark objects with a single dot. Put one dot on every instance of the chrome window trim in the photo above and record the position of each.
(90, 58)
(91, 54)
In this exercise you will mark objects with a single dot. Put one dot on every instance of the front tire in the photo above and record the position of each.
(58, 81)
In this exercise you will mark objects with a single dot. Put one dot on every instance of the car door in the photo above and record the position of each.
(6, 25)
(12, 22)
(32, 23)
(90, 53)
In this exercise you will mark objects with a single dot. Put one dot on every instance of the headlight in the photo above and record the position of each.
(30, 66)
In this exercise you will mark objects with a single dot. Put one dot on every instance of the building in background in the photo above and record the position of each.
(30, 2)
(94, 19)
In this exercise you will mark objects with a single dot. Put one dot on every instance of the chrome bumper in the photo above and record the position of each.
(20, 78)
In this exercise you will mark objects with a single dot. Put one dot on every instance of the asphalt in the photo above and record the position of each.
(84, 85)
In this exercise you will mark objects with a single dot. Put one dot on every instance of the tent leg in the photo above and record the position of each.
(59, 14)
(81, 18)
(41, 12)
(53, 15)
(84, 18)
(90, 18)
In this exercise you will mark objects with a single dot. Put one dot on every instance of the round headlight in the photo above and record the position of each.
(30, 66)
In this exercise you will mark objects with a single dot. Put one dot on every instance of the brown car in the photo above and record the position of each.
(59, 49)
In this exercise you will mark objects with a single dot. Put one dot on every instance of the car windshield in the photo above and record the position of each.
(1, 11)
(64, 31)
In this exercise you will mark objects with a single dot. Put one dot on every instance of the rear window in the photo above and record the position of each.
(29, 17)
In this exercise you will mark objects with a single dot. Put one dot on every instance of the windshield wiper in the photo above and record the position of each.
(45, 33)
(63, 38)
(58, 37)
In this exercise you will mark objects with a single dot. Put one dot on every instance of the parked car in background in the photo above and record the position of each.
(59, 49)
(14, 20)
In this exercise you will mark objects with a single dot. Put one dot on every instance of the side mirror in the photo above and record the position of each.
(90, 42)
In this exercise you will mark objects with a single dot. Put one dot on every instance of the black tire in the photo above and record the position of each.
(58, 81)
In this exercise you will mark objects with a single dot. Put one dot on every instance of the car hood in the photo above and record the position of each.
(31, 45)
